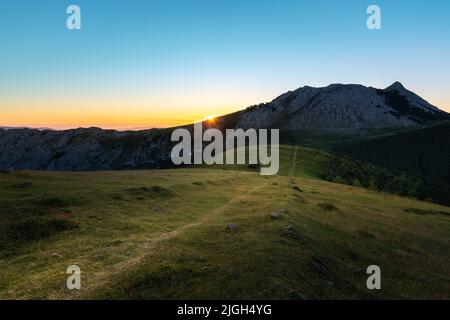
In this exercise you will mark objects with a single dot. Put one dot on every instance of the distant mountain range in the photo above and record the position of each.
(336, 109)
(6, 128)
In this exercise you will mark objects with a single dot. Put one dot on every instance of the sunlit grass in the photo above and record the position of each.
(163, 234)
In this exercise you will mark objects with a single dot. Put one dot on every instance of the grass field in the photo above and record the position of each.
(163, 234)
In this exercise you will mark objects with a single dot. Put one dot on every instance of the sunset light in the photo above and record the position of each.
(224, 159)
(211, 117)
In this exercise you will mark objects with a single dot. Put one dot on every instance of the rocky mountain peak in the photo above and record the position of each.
(396, 86)
(343, 108)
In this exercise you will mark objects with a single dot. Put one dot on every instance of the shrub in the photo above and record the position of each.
(327, 206)
(39, 228)
(54, 202)
(155, 191)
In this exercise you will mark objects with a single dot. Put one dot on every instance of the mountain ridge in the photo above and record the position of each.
(343, 108)
(338, 108)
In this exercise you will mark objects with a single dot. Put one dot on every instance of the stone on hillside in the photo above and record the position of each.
(275, 215)
(290, 232)
(319, 266)
(232, 226)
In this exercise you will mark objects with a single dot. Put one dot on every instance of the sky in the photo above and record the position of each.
(160, 63)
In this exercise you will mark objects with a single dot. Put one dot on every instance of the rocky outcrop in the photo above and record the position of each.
(340, 108)
(83, 149)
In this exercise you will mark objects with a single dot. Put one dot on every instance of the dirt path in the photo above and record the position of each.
(293, 162)
(102, 278)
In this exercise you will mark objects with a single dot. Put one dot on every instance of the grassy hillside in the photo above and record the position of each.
(314, 163)
(164, 234)
(294, 161)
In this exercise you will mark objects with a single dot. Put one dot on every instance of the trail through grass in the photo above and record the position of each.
(164, 234)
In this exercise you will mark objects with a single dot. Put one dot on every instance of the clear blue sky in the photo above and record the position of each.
(138, 63)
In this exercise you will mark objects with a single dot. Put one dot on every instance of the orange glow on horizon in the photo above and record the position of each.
(61, 120)
(122, 110)
(126, 113)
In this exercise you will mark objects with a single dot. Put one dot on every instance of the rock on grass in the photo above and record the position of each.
(232, 226)
(290, 232)
(319, 266)
(275, 215)
(278, 214)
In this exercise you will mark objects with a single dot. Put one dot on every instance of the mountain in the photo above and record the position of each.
(83, 149)
(337, 108)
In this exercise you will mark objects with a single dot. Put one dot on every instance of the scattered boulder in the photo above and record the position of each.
(290, 232)
(278, 214)
(320, 266)
(275, 215)
(232, 226)
(56, 255)
(207, 269)
(403, 253)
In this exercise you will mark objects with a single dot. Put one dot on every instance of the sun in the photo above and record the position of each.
(210, 118)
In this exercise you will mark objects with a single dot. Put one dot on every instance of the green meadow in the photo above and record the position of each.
(206, 233)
